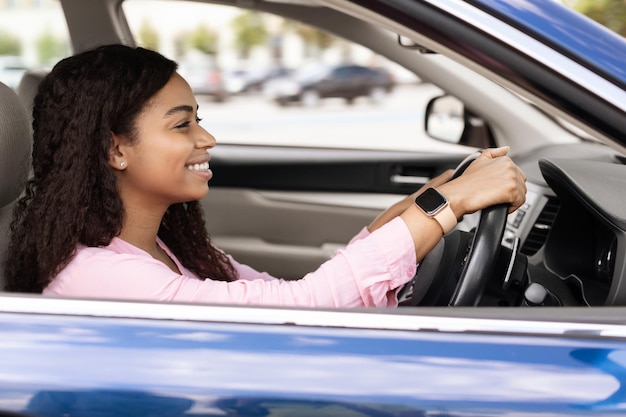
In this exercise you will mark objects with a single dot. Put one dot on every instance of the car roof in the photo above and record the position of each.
(567, 31)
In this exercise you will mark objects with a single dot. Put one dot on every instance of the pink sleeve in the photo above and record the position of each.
(248, 273)
(364, 232)
(366, 273)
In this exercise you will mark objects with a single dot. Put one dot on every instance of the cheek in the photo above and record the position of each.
(162, 151)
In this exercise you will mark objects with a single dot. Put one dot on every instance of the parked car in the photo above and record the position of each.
(252, 80)
(541, 326)
(316, 82)
(204, 76)
(234, 81)
(257, 78)
(12, 69)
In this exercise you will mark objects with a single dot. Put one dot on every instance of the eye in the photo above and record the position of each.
(183, 125)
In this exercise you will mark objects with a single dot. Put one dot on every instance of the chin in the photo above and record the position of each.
(201, 194)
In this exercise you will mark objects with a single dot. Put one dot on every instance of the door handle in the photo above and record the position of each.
(408, 179)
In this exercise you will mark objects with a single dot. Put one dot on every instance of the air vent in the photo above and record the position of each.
(539, 232)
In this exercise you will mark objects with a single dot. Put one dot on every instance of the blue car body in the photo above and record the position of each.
(71, 357)
(593, 45)
(248, 362)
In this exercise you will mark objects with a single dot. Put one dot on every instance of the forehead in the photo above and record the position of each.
(175, 94)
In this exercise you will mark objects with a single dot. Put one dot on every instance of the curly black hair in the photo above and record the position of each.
(72, 197)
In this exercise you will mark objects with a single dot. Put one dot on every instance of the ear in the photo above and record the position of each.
(116, 153)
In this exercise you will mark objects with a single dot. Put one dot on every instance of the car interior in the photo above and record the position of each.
(286, 209)
(15, 140)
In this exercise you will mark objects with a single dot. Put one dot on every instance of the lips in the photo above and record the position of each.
(200, 163)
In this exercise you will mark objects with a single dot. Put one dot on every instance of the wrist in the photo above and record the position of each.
(436, 206)
(455, 199)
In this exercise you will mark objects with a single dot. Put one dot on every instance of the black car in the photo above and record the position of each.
(349, 82)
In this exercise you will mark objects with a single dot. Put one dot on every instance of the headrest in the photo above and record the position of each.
(27, 88)
(15, 145)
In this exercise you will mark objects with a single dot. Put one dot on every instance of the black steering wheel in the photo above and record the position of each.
(457, 269)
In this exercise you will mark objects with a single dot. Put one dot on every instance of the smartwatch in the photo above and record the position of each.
(435, 205)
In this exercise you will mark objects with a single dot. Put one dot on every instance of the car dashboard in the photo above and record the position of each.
(572, 228)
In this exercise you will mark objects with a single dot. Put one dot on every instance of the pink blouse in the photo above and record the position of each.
(367, 272)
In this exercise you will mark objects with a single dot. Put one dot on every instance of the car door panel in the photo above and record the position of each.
(287, 210)
(161, 359)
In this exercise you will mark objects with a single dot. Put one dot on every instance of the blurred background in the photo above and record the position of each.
(260, 78)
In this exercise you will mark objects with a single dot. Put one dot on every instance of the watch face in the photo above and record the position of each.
(431, 201)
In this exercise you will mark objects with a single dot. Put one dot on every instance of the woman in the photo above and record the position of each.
(119, 162)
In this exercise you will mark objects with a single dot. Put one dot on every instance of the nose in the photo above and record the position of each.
(203, 138)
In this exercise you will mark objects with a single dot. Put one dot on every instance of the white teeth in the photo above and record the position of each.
(198, 167)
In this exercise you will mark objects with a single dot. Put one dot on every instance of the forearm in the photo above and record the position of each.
(399, 207)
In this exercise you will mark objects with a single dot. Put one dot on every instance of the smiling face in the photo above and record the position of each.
(168, 162)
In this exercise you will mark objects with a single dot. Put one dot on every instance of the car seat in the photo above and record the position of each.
(15, 154)
(27, 89)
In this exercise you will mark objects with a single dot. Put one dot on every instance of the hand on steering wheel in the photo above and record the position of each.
(473, 262)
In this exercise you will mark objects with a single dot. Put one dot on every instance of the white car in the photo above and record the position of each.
(12, 69)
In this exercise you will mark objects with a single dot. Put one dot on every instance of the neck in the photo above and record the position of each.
(140, 230)
(141, 227)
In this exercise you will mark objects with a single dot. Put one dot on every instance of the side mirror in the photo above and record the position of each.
(448, 120)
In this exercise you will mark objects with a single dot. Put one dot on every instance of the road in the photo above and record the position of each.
(396, 124)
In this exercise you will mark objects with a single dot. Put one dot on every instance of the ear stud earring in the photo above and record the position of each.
(122, 164)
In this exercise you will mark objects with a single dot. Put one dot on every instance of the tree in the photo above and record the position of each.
(50, 48)
(203, 39)
(148, 36)
(9, 44)
(250, 31)
(315, 40)
(610, 13)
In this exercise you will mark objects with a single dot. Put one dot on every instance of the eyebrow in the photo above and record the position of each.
(182, 108)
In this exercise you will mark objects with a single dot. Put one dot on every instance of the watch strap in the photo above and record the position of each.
(446, 219)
